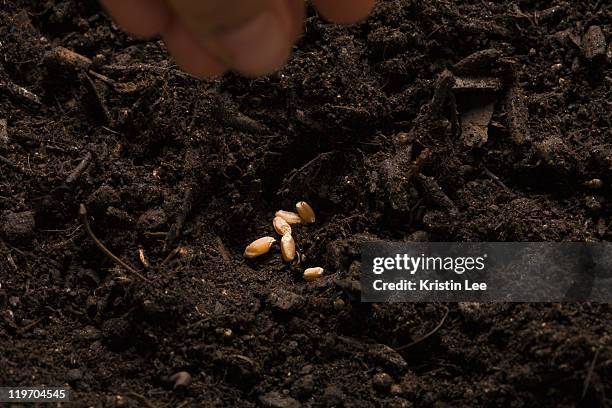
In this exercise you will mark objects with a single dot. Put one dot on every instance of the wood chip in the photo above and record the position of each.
(477, 84)
(475, 121)
(594, 43)
(477, 62)
(518, 114)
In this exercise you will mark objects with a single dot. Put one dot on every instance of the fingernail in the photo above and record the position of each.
(259, 47)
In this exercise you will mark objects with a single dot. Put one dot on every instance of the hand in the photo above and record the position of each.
(209, 37)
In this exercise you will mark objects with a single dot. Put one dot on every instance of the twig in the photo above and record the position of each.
(9, 258)
(495, 179)
(13, 165)
(171, 255)
(587, 380)
(19, 92)
(183, 404)
(105, 250)
(141, 399)
(97, 99)
(303, 169)
(83, 165)
(238, 120)
(102, 78)
(418, 164)
(143, 258)
(425, 337)
(146, 68)
(177, 228)
(159, 235)
(222, 249)
(28, 327)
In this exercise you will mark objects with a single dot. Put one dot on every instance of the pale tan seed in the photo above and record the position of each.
(312, 274)
(181, 379)
(290, 217)
(594, 184)
(281, 226)
(306, 212)
(259, 247)
(287, 248)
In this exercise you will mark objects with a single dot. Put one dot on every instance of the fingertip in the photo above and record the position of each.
(194, 58)
(257, 48)
(142, 18)
(344, 11)
(297, 13)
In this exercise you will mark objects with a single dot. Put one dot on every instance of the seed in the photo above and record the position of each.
(259, 247)
(290, 217)
(63, 58)
(305, 211)
(594, 184)
(287, 248)
(281, 226)
(181, 379)
(312, 274)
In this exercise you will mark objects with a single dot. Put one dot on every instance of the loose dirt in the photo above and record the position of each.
(364, 124)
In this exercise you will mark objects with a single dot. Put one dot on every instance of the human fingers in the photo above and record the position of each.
(143, 18)
(189, 53)
(297, 13)
(344, 11)
(251, 37)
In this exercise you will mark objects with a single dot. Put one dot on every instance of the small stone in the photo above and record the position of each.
(303, 387)
(276, 400)
(285, 301)
(18, 226)
(74, 375)
(382, 382)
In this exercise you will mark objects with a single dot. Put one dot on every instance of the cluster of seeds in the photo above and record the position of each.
(282, 222)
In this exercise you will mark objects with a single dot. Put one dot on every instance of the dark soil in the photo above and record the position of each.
(362, 124)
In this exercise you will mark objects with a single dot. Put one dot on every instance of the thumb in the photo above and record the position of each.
(252, 37)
